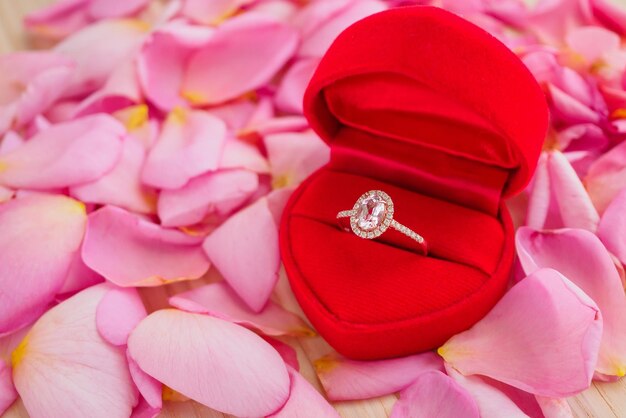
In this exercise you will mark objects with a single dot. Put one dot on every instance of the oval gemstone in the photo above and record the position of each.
(371, 212)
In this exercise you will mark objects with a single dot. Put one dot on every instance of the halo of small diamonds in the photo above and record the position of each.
(381, 201)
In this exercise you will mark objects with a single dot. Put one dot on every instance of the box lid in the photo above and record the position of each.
(434, 82)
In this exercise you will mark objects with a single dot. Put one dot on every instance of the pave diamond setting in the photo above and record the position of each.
(372, 214)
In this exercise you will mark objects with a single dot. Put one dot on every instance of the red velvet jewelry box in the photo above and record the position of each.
(436, 112)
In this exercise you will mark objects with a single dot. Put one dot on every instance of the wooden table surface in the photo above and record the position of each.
(605, 400)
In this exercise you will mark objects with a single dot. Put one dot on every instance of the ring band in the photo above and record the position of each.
(372, 215)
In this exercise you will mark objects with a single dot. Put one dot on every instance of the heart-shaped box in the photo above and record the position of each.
(439, 114)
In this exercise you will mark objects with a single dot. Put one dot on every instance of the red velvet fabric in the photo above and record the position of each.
(436, 112)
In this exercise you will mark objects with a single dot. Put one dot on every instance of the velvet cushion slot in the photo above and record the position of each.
(372, 300)
(439, 114)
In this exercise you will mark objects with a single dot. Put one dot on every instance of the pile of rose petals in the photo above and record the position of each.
(157, 141)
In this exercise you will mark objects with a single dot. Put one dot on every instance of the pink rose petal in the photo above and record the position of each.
(607, 176)
(612, 227)
(544, 311)
(433, 394)
(121, 186)
(98, 49)
(592, 42)
(346, 379)
(244, 53)
(150, 389)
(30, 82)
(245, 251)
(219, 192)
(102, 9)
(121, 90)
(190, 144)
(161, 80)
(59, 19)
(118, 313)
(321, 22)
(217, 363)
(79, 276)
(540, 196)
(144, 410)
(131, 251)
(6, 194)
(575, 206)
(580, 256)
(39, 237)
(304, 397)
(295, 156)
(291, 91)
(63, 357)
(64, 155)
(554, 407)
(8, 394)
(610, 14)
(287, 352)
(240, 154)
(492, 402)
(212, 12)
(218, 299)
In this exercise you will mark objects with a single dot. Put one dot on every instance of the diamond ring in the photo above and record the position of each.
(372, 215)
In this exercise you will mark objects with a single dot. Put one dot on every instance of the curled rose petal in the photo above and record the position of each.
(121, 186)
(612, 227)
(217, 363)
(575, 206)
(144, 410)
(64, 155)
(39, 237)
(150, 389)
(8, 394)
(218, 192)
(243, 54)
(245, 251)
(543, 311)
(492, 402)
(63, 357)
(190, 144)
(287, 352)
(433, 394)
(580, 256)
(607, 176)
(131, 251)
(29, 83)
(118, 313)
(218, 299)
(346, 379)
(304, 397)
